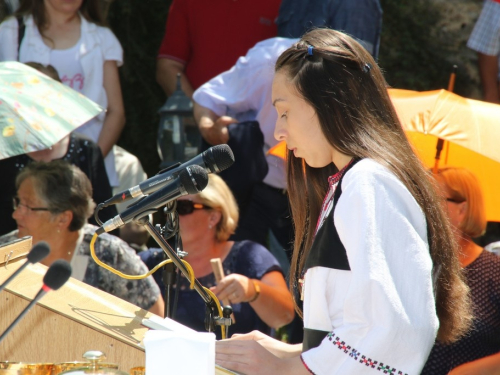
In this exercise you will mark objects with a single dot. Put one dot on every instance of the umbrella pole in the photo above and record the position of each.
(451, 82)
(440, 142)
(439, 148)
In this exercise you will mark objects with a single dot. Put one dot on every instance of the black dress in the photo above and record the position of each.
(83, 153)
(245, 258)
(483, 279)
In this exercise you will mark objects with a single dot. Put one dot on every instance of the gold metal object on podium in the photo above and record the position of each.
(23, 368)
(92, 366)
(141, 370)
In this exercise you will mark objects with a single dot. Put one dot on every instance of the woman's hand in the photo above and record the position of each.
(236, 288)
(274, 304)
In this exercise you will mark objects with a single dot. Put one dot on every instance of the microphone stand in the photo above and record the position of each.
(214, 319)
(169, 278)
(171, 229)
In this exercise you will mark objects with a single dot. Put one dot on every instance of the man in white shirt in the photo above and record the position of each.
(242, 94)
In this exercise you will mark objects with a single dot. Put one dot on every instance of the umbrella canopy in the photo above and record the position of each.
(36, 111)
(469, 128)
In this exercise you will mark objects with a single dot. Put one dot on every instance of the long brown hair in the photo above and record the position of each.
(344, 85)
(89, 9)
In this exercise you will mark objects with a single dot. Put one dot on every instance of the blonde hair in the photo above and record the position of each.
(219, 196)
(463, 185)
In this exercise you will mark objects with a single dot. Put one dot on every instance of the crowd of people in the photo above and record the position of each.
(366, 257)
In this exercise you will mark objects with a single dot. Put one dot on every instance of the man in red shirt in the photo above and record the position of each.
(205, 38)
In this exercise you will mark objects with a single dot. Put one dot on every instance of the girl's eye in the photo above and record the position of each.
(284, 114)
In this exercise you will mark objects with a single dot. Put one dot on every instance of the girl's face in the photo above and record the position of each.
(298, 125)
(69, 7)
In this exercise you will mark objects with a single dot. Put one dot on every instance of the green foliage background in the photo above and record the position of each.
(410, 55)
(140, 25)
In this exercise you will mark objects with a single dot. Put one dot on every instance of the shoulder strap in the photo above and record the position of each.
(20, 34)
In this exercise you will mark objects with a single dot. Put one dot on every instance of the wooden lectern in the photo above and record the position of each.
(67, 322)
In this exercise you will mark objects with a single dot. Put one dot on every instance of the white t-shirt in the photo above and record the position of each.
(244, 92)
(97, 45)
(68, 65)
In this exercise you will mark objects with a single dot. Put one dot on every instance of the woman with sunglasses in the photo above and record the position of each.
(253, 282)
(479, 351)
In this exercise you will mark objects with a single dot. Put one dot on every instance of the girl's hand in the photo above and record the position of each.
(278, 348)
(249, 357)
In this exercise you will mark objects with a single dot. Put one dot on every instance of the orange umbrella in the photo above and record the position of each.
(278, 150)
(469, 128)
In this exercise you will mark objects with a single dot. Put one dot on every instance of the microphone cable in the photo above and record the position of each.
(140, 277)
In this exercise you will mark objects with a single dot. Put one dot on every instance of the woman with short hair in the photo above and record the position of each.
(479, 351)
(53, 203)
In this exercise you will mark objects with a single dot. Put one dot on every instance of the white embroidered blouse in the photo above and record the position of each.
(380, 314)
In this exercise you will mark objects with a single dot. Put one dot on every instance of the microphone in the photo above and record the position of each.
(213, 160)
(57, 274)
(191, 180)
(37, 253)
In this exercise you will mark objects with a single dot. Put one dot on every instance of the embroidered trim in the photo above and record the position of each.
(305, 365)
(336, 177)
(328, 200)
(357, 356)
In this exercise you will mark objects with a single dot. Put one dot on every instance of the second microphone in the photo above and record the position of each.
(190, 180)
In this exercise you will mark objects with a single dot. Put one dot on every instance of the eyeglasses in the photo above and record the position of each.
(16, 203)
(185, 207)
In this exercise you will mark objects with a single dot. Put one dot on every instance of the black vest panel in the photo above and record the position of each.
(326, 251)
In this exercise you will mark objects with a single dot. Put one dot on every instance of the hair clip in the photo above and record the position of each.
(367, 67)
(310, 50)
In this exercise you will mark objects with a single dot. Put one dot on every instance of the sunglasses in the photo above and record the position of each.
(185, 207)
(458, 201)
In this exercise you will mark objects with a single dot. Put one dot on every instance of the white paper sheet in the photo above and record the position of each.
(175, 352)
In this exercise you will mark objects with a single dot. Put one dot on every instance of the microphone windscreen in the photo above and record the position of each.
(194, 179)
(220, 156)
(57, 274)
(39, 252)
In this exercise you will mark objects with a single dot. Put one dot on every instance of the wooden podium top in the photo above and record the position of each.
(68, 322)
(82, 303)
(16, 250)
